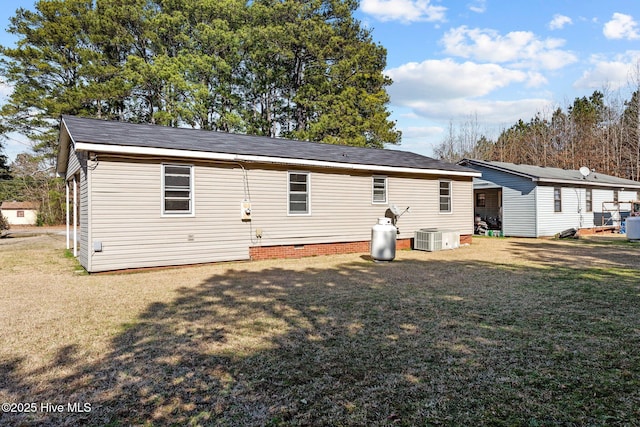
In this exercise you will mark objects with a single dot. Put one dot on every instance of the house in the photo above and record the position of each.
(145, 195)
(20, 213)
(537, 201)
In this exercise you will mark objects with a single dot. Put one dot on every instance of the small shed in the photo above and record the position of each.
(537, 201)
(20, 213)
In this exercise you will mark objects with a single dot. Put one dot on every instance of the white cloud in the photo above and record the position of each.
(559, 21)
(406, 11)
(442, 90)
(536, 79)
(478, 6)
(621, 26)
(413, 132)
(489, 112)
(446, 79)
(609, 73)
(519, 48)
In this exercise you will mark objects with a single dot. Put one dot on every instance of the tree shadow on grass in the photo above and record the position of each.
(580, 253)
(402, 343)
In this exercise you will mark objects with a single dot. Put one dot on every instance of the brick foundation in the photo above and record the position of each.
(300, 251)
(466, 239)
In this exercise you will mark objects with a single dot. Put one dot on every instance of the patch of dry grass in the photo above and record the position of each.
(502, 332)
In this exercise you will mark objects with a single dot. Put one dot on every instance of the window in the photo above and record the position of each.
(177, 189)
(20, 214)
(298, 193)
(557, 199)
(589, 200)
(445, 196)
(379, 191)
(615, 196)
(481, 200)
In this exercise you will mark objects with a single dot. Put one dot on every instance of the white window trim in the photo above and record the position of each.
(192, 188)
(554, 200)
(308, 212)
(386, 190)
(587, 200)
(450, 211)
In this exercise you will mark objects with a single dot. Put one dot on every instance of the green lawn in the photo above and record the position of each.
(502, 332)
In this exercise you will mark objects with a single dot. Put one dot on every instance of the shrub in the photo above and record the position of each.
(4, 223)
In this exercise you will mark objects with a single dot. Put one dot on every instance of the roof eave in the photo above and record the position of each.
(243, 158)
(64, 142)
(498, 168)
(589, 183)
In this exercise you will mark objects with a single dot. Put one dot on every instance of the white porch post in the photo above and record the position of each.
(75, 217)
(66, 187)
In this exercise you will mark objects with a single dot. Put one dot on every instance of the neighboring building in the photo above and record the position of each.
(157, 196)
(20, 213)
(536, 201)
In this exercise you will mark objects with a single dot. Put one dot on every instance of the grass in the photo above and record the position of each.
(502, 332)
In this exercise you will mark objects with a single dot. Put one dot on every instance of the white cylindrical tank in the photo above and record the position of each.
(633, 228)
(383, 240)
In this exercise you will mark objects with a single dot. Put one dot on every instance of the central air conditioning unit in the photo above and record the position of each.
(431, 239)
(427, 240)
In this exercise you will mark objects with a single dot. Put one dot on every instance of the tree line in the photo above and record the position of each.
(600, 131)
(301, 69)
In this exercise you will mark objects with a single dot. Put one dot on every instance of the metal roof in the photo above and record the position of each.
(554, 175)
(186, 140)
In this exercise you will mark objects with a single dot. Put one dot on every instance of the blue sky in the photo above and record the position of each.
(494, 61)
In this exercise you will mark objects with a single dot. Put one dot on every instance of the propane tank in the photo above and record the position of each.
(383, 240)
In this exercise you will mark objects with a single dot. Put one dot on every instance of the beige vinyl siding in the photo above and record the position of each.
(83, 236)
(77, 165)
(74, 162)
(126, 215)
(342, 209)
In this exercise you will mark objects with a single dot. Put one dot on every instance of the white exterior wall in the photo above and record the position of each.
(125, 212)
(574, 208)
(30, 216)
(550, 222)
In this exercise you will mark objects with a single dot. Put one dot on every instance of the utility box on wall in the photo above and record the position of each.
(450, 239)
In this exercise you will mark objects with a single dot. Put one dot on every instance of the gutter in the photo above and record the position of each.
(587, 183)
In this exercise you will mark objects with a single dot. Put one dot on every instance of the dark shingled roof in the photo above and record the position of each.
(152, 136)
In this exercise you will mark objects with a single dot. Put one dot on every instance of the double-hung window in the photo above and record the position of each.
(557, 199)
(589, 200)
(445, 196)
(379, 189)
(299, 193)
(177, 189)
